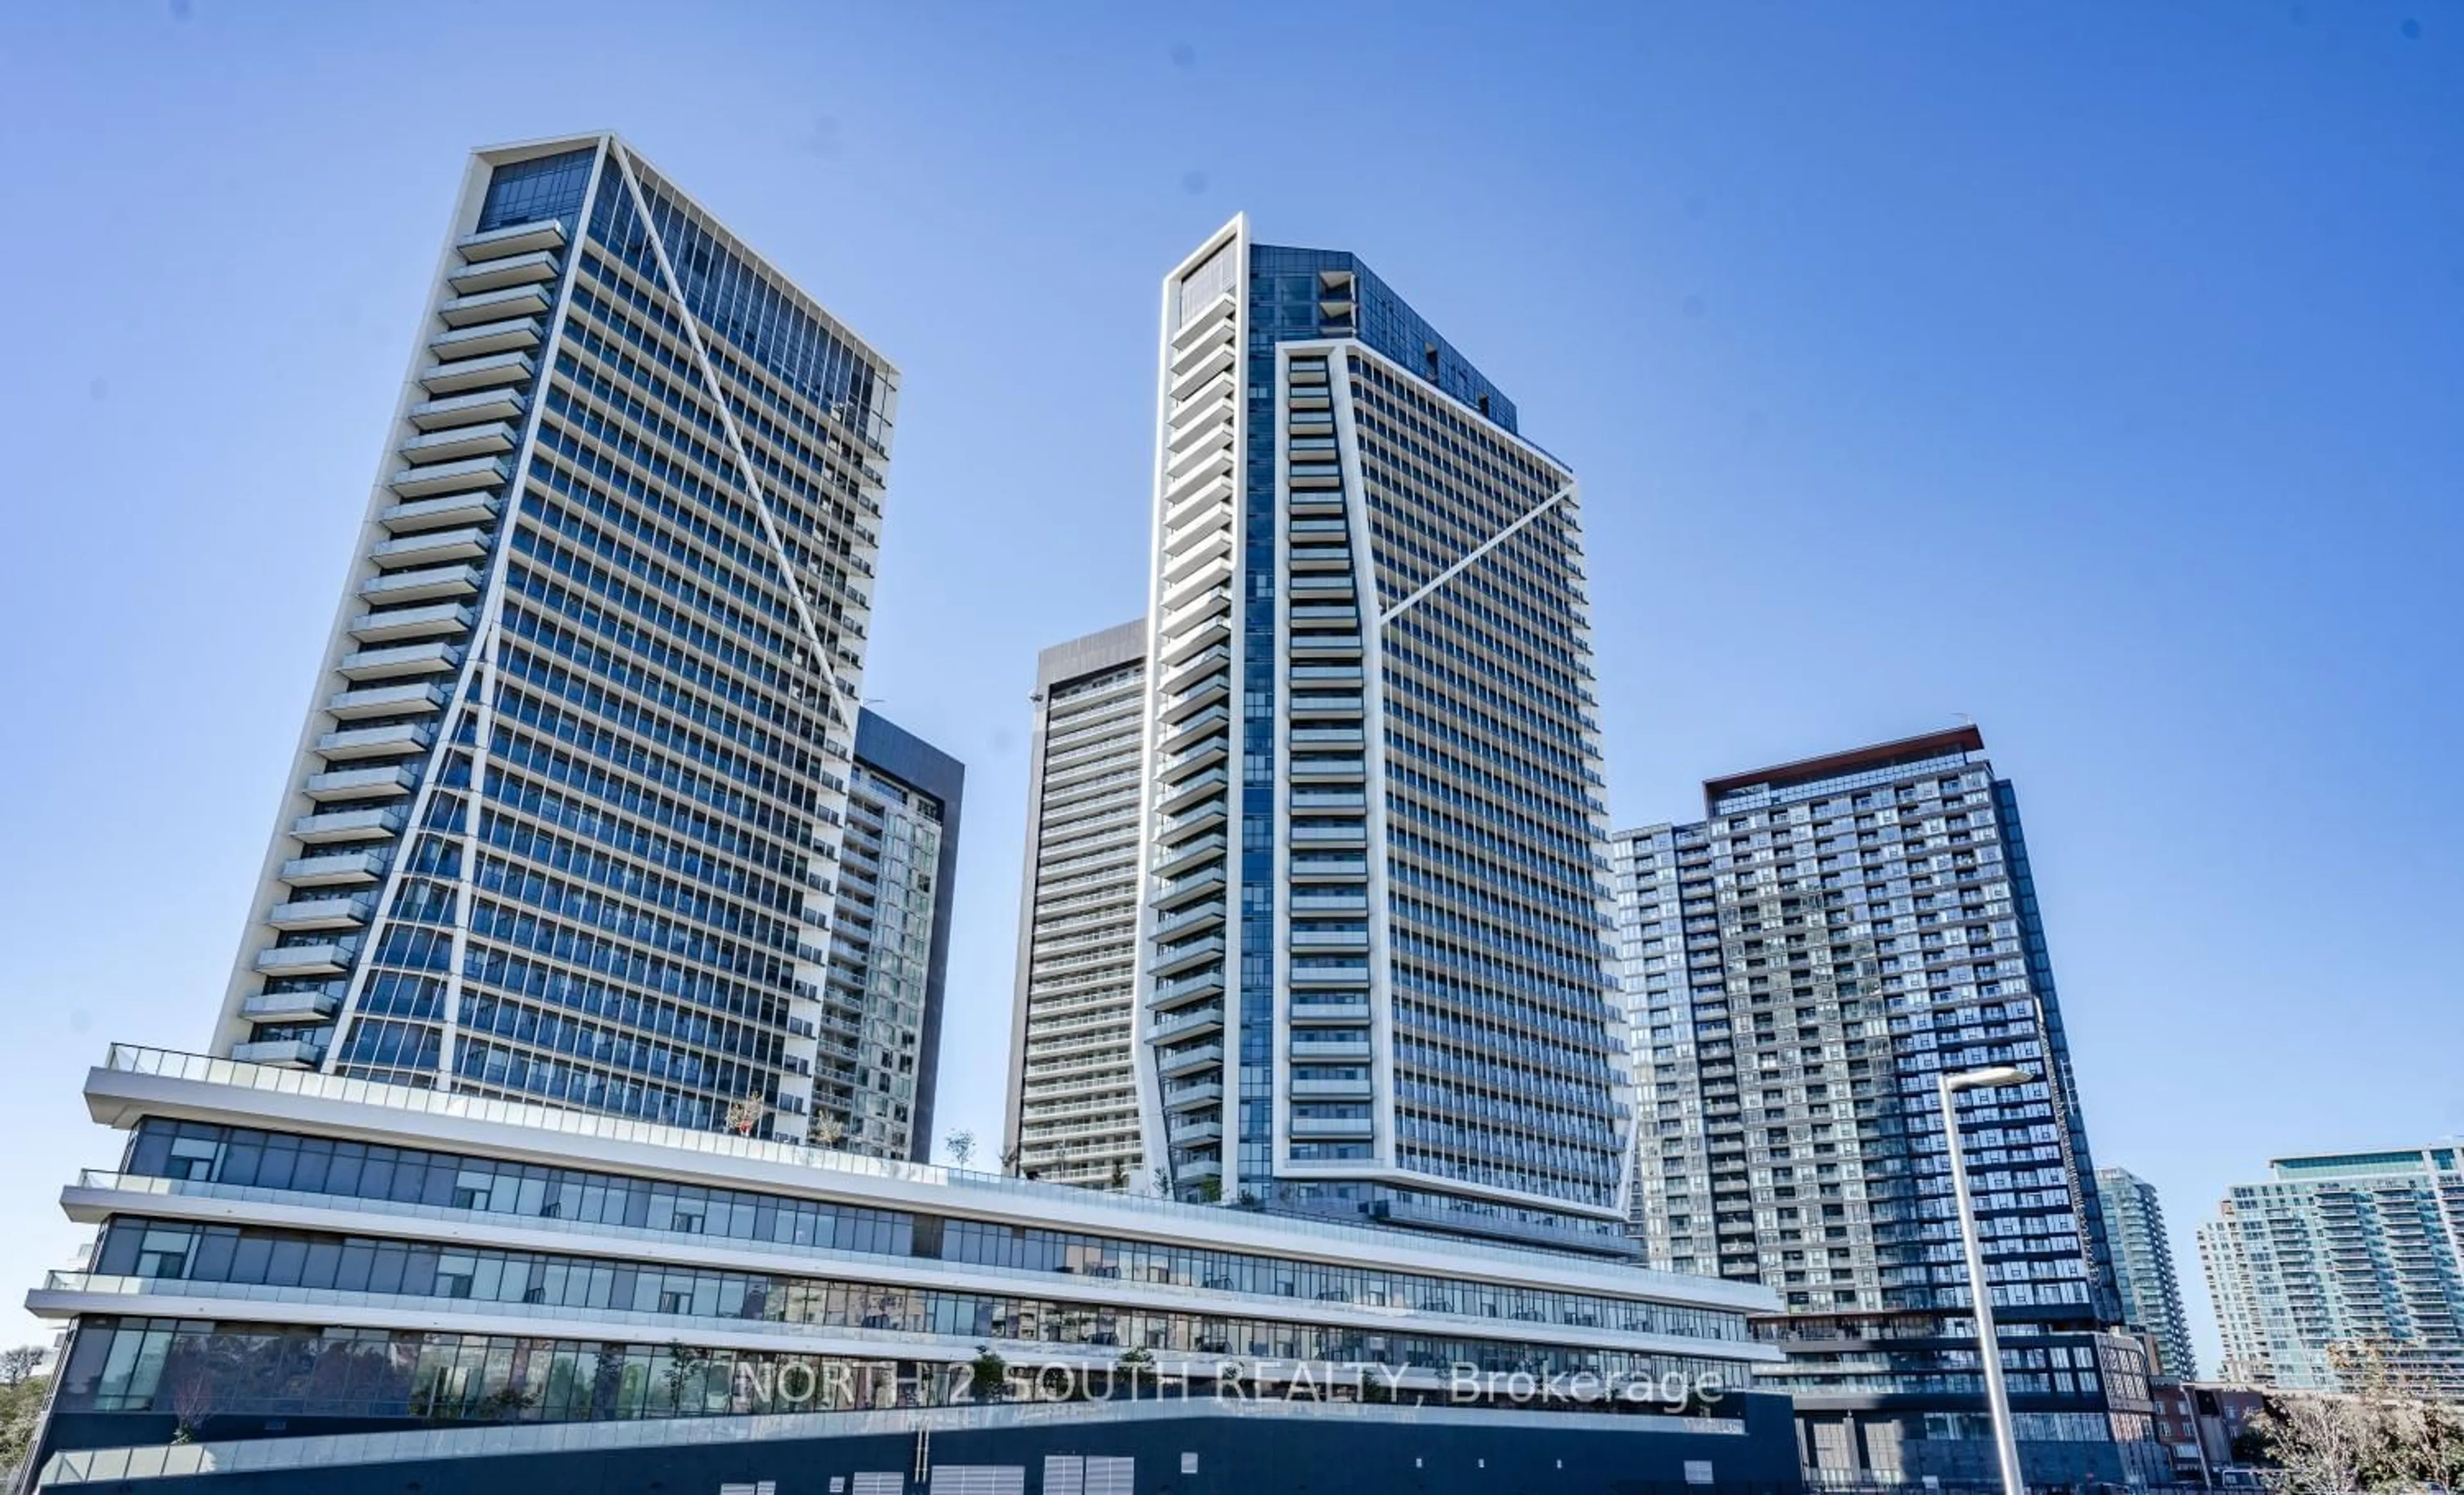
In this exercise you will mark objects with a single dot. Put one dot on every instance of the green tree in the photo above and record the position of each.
(988, 1375)
(21, 1418)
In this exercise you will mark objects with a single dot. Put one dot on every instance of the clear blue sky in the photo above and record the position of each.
(2092, 371)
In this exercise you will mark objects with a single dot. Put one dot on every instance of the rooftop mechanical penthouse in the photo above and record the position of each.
(281, 1253)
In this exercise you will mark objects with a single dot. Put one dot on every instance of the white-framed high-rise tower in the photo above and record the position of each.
(1374, 972)
(564, 814)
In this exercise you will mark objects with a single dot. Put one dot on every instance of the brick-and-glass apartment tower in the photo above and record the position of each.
(1800, 966)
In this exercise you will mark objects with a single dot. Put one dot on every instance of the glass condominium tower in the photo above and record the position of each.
(1072, 1110)
(1372, 940)
(2141, 1253)
(567, 815)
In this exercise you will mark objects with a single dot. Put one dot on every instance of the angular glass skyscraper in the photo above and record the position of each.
(1802, 965)
(1374, 937)
(566, 814)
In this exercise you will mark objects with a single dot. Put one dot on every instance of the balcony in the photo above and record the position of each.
(1187, 553)
(1316, 941)
(287, 1053)
(1325, 704)
(1202, 757)
(519, 335)
(362, 783)
(1311, 768)
(1332, 1126)
(1217, 361)
(1312, 834)
(1208, 982)
(405, 623)
(1187, 735)
(503, 303)
(337, 870)
(497, 369)
(1208, 785)
(447, 511)
(1189, 1061)
(395, 663)
(329, 912)
(1187, 858)
(1188, 673)
(511, 270)
(385, 700)
(1171, 960)
(479, 408)
(1319, 867)
(494, 439)
(338, 825)
(1190, 589)
(514, 239)
(449, 477)
(1343, 1007)
(293, 1008)
(1325, 646)
(1202, 917)
(422, 585)
(1201, 465)
(1177, 708)
(326, 958)
(1322, 558)
(1193, 1133)
(1332, 1090)
(1203, 883)
(1320, 1046)
(430, 547)
(393, 740)
(1183, 1097)
(1195, 1023)
(1305, 738)
(1179, 646)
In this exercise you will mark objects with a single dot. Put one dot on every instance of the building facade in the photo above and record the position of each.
(567, 811)
(889, 945)
(2141, 1252)
(1072, 1110)
(1372, 941)
(1800, 967)
(462, 1283)
(2339, 1260)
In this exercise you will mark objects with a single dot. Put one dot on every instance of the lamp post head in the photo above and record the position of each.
(1990, 1077)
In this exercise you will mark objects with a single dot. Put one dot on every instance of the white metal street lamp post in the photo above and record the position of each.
(1988, 1351)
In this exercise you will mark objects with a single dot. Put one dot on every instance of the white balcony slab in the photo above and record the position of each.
(514, 239)
(484, 372)
(488, 274)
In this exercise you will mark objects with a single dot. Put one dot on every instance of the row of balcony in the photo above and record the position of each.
(422, 605)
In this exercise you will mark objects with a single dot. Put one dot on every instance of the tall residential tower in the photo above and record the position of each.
(1801, 966)
(2340, 1258)
(889, 945)
(1073, 1114)
(566, 813)
(2141, 1253)
(1373, 938)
